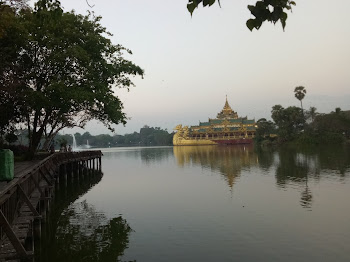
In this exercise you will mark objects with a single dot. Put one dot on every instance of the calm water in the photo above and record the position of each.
(206, 204)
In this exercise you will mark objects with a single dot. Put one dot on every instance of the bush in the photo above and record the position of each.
(17, 149)
(321, 138)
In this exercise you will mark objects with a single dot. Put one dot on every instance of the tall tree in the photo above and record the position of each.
(67, 71)
(290, 121)
(11, 39)
(264, 10)
(299, 93)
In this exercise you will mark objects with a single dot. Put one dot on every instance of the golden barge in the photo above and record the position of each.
(227, 128)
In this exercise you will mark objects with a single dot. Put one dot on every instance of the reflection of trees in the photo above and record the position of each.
(86, 235)
(306, 198)
(228, 160)
(298, 165)
(155, 154)
(335, 158)
(295, 166)
(77, 232)
(265, 156)
(65, 195)
(291, 167)
(147, 154)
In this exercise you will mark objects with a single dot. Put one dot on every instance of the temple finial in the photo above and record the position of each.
(227, 106)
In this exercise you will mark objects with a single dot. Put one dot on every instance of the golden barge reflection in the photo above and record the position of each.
(227, 160)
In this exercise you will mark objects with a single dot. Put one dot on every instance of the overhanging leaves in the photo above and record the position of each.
(264, 10)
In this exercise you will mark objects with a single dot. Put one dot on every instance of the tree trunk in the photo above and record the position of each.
(35, 141)
(47, 142)
(48, 139)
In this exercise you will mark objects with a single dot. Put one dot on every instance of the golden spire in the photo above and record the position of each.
(227, 106)
(227, 112)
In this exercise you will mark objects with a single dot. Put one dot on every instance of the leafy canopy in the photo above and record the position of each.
(265, 129)
(290, 121)
(300, 92)
(65, 68)
(264, 10)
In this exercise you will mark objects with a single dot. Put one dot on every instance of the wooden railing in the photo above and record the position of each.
(20, 198)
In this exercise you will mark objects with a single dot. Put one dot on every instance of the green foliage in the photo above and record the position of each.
(290, 121)
(61, 141)
(299, 93)
(61, 71)
(16, 4)
(11, 138)
(12, 38)
(193, 4)
(264, 10)
(154, 136)
(148, 136)
(265, 129)
(335, 122)
(320, 138)
(311, 114)
(331, 128)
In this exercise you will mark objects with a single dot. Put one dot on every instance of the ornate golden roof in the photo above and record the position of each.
(227, 112)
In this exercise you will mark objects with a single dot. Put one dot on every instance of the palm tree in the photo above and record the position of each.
(299, 93)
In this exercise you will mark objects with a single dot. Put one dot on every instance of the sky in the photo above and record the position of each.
(191, 64)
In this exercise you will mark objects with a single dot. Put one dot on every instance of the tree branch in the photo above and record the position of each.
(91, 6)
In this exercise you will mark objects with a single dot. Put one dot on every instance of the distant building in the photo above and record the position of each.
(227, 128)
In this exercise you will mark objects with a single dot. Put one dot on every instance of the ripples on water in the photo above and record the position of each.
(209, 203)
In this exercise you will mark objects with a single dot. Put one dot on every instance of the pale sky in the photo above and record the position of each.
(191, 64)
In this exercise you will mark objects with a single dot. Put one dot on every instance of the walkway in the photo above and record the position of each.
(25, 199)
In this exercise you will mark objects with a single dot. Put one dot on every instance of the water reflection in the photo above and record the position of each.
(293, 166)
(83, 234)
(155, 154)
(296, 164)
(148, 155)
(299, 165)
(228, 160)
(266, 158)
(180, 203)
(76, 231)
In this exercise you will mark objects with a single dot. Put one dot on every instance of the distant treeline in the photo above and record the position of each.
(292, 124)
(148, 136)
(296, 125)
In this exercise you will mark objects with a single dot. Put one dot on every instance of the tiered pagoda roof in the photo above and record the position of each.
(226, 129)
(227, 121)
(227, 112)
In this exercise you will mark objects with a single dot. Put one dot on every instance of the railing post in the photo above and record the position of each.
(12, 236)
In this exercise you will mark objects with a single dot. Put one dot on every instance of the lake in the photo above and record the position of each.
(206, 203)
